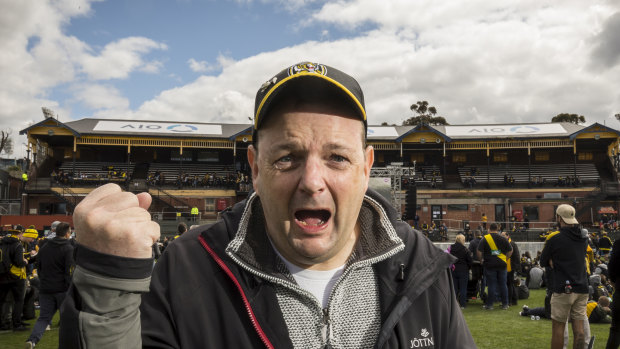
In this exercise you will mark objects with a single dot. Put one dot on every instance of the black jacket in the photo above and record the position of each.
(492, 261)
(464, 258)
(16, 256)
(201, 298)
(54, 265)
(567, 252)
(613, 267)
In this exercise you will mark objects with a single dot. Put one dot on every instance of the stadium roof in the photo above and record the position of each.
(178, 129)
(448, 133)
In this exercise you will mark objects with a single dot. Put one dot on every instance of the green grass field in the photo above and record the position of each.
(16, 340)
(496, 329)
(506, 329)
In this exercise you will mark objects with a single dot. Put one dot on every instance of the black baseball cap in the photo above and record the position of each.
(292, 77)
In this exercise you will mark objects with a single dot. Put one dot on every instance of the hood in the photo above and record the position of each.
(575, 233)
(59, 241)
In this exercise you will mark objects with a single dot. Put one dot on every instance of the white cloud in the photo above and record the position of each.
(222, 62)
(118, 59)
(477, 62)
(101, 97)
(198, 66)
(37, 56)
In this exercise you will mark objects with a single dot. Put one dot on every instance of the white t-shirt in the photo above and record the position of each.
(318, 282)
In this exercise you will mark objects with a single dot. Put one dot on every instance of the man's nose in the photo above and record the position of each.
(312, 179)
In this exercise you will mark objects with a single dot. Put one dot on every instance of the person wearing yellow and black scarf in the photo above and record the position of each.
(14, 280)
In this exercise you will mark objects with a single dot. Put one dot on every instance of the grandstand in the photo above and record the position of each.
(547, 164)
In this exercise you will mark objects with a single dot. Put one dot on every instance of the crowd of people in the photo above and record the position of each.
(239, 181)
(107, 174)
(35, 272)
(578, 269)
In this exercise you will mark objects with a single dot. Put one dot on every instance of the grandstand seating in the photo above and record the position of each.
(171, 171)
(428, 175)
(586, 172)
(94, 172)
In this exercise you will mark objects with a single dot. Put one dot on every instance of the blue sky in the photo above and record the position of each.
(199, 30)
(476, 61)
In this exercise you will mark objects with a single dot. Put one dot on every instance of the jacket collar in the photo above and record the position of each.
(252, 250)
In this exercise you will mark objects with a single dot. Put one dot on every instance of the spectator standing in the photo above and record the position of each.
(613, 268)
(494, 250)
(513, 264)
(484, 221)
(473, 245)
(604, 244)
(54, 267)
(460, 274)
(565, 254)
(50, 235)
(13, 279)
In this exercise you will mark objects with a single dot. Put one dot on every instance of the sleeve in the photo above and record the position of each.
(101, 309)
(18, 256)
(614, 262)
(516, 257)
(507, 246)
(546, 254)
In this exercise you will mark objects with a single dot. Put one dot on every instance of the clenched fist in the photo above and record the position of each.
(116, 222)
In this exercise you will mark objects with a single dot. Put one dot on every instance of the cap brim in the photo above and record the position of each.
(569, 220)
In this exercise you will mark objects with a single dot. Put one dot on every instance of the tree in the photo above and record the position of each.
(6, 142)
(566, 117)
(425, 115)
(617, 116)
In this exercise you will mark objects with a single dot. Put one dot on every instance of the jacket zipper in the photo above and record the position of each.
(248, 308)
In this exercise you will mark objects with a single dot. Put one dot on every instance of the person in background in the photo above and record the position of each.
(460, 274)
(54, 267)
(565, 254)
(613, 269)
(494, 251)
(513, 264)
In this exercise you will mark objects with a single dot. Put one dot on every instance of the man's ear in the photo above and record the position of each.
(369, 159)
(253, 162)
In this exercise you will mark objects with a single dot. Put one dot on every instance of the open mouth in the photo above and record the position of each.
(312, 218)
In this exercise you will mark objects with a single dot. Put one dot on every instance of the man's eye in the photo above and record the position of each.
(285, 159)
(284, 162)
(338, 158)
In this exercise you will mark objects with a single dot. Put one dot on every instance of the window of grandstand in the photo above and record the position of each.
(457, 207)
(459, 158)
(500, 157)
(531, 212)
(584, 156)
(209, 205)
(175, 155)
(208, 156)
(541, 156)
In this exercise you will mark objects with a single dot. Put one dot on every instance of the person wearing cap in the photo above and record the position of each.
(54, 267)
(311, 259)
(564, 253)
(14, 280)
